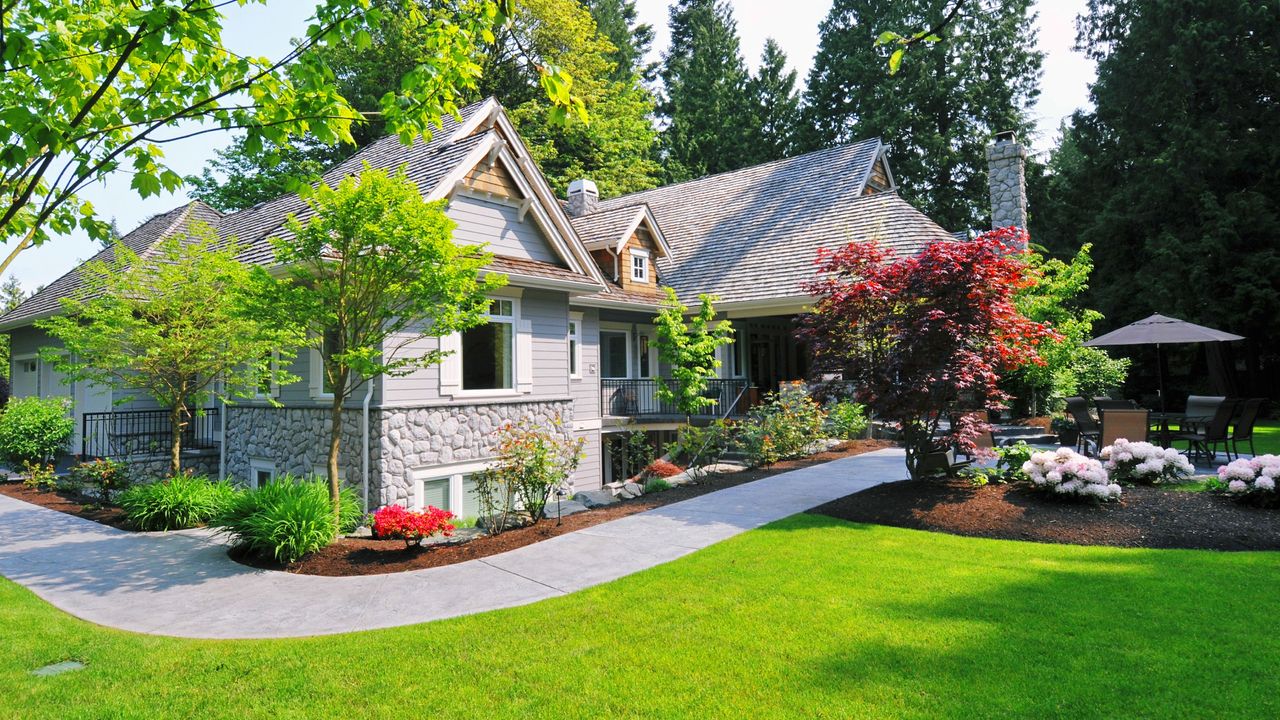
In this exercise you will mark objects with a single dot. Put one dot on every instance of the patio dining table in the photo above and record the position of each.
(1162, 419)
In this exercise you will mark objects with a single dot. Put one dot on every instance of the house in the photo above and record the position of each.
(570, 336)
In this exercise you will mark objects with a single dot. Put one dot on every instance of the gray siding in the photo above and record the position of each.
(498, 225)
(586, 389)
(590, 473)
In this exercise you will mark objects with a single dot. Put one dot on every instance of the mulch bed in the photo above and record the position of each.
(1148, 517)
(361, 556)
(68, 502)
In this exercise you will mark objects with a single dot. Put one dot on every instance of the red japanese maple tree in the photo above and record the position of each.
(918, 338)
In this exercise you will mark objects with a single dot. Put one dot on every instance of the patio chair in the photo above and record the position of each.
(1128, 424)
(1249, 410)
(1110, 403)
(1078, 408)
(1199, 409)
(1216, 431)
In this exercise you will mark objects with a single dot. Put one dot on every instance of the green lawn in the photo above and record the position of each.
(808, 617)
(1266, 438)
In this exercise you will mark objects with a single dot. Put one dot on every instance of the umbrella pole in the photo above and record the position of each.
(1160, 375)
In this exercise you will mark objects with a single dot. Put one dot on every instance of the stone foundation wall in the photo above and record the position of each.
(417, 437)
(154, 467)
(295, 440)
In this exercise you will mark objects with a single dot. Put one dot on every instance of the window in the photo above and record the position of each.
(27, 366)
(455, 492)
(640, 265)
(737, 363)
(261, 473)
(488, 351)
(331, 346)
(267, 386)
(644, 356)
(613, 354)
(575, 345)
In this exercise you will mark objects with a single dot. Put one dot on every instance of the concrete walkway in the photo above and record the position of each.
(183, 584)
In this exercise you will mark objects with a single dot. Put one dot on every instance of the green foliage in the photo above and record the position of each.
(847, 419)
(618, 21)
(35, 429)
(656, 484)
(534, 460)
(186, 324)
(776, 105)
(783, 427)
(182, 501)
(690, 349)
(372, 259)
(1069, 368)
(105, 475)
(11, 296)
(939, 110)
(636, 453)
(1182, 212)
(39, 475)
(703, 445)
(288, 518)
(1009, 461)
(90, 89)
(711, 125)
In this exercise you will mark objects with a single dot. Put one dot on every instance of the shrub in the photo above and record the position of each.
(288, 518)
(394, 521)
(104, 475)
(847, 419)
(1253, 480)
(661, 469)
(1010, 459)
(35, 429)
(1142, 462)
(656, 484)
(39, 475)
(782, 428)
(705, 445)
(1067, 473)
(178, 502)
(534, 459)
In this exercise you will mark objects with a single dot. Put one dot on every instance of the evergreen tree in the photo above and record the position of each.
(777, 105)
(1174, 175)
(11, 296)
(710, 126)
(941, 108)
(618, 21)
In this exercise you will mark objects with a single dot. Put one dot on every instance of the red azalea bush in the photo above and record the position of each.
(661, 468)
(917, 338)
(394, 521)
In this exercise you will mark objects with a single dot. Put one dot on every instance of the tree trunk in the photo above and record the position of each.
(917, 444)
(175, 438)
(335, 444)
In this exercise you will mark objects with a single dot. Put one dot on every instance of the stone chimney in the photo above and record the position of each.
(1007, 177)
(584, 198)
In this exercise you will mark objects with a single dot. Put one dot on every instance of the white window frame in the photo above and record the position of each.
(25, 357)
(521, 362)
(624, 330)
(640, 270)
(455, 474)
(317, 372)
(574, 340)
(275, 386)
(257, 465)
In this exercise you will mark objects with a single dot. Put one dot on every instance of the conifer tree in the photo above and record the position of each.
(777, 104)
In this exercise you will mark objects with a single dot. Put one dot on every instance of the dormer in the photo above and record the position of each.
(879, 177)
(627, 245)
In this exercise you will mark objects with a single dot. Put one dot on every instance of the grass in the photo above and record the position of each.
(808, 617)
(1266, 438)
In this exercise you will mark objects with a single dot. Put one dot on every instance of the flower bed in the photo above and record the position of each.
(1254, 479)
(1144, 463)
(1070, 474)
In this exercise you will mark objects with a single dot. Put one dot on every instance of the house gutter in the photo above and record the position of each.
(364, 455)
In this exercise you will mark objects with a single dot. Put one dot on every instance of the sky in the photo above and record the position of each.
(265, 31)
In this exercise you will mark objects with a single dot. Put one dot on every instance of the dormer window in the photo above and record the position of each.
(640, 265)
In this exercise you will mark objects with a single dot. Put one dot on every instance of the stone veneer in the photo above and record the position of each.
(402, 440)
(1007, 179)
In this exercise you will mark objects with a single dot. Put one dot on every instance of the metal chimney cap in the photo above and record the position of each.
(1007, 136)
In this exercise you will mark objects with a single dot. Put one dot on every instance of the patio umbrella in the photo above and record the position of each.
(1160, 330)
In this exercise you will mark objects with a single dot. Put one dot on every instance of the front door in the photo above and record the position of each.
(764, 371)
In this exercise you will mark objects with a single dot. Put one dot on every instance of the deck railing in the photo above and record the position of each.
(638, 398)
(128, 433)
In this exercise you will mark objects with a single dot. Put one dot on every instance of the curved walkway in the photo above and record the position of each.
(183, 584)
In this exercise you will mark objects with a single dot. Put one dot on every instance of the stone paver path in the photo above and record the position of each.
(183, 584)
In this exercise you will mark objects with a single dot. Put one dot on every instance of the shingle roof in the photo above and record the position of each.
(753, 234)
(533, 268)
(605, 226)
(140, 240)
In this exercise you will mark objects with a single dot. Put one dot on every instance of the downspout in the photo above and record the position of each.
(222, 446)
(364, 455)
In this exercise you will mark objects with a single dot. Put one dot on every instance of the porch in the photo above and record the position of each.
(133, 433)
(637, 398)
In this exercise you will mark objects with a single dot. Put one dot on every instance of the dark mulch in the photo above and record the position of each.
(358, 556)
(68, 502)
(1145, 516)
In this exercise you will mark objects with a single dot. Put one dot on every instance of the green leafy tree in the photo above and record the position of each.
(185, 324)
(1188, 204)
(618, 21)
(777, 104)
(710, 122)
(939, 110)
(372, 271)
(11, 296)
(1068, 367)
(89, 87)
(689, 346)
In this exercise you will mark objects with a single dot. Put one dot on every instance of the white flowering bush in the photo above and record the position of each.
(1142, 462)
(1067, 473)
(1254, 479)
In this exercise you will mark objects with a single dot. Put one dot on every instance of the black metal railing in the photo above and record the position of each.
(128, 433)
(638, 397)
